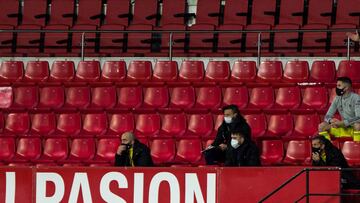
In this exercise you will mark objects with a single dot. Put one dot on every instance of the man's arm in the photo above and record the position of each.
(357, 113)
(332, 110)
(219, 139)
(253, 157)
(120, 160)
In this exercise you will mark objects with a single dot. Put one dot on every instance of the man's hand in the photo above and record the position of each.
(337, 124)
(333, 120)
(223, 147)
(315, 156)
(121, 149)
(353, 36)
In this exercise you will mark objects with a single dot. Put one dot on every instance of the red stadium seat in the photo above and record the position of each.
(230, 42)
(305, 125)
(6, 97)
(117, 12)
(257, 123)
(218, 71)
(90, 12)
(156, 97)
(7, 148)
(279, 125)
(263, 11)
(298, 152)
(90, 39)
(201, 42)
(139, 43)
(252, 38)
(182, 97)
(43, 124)
(11, 71)
(272, 152)
(51, 97)
(103, 97)
(320, 13)
(129, 96)
(208, 97)
(77, 96)
(6, 40)
(162, 151)
(173, 124)
(28, 43)
(270, 71)
(62, 71)
(243, 71)
(139, 71)
(9, 12)
(349, 69)
(286, 42)
(17, 123)
(37, 71)
(323, 71)
(178, 39)
(292, 12)
(208, 12)
(62, 12)
(113, 71)
(236, 12)
(112, 43)
(174, 12)
(347, 12)
(68, 123)
(261, 97)
(147, 124)
(192, 71)
(146, 12)
(351, 151)
(94, 124)
(55, 149)
(34, 12)
(56, 43)
(25, 96)
(237, 95)
(165, 71)
(288, 97)
(189, 151)
(315, 97)
(200, 125)
(106, 149)
(296, 71)
(28, 148)
(120, 123)
(339, 39)
(314, 42)
(82, 149)
(88, 71)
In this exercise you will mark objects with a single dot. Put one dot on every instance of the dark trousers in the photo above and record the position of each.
(214, 156)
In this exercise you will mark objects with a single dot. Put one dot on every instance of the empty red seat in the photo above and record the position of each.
(270, 71)
(51, 97)
(208, 97)
(6, 41)
(292, 12)
(129, 96)
(89, 39)
(351, 151)
(182, 96)
(139, 71)
(94, 124)
(56, 43)
(77, 96)
(258, 125)
(82, 149)
(156, 96)
(174, 12)
(237, 95)
(229, 42)
(173, 124)
(189, 150)
(89, 12)
(113, 71)
(272, 152)
(192, 71)
(88, 71)
(55, 149)
(118, 12)
(349, 69)
(280, 124)
(251, 44)
(6, 97)
(323, 71)
(43, 123)
(120, 123)
(103, 97)
(7, 148)
(315, 97)
(165, 71)
(28, 43)
(28, 148)
(148, 124)
(288, 97)
(62, 12)
(286, 42)
(162, 150)
(261, 97)
(339, 39)
(236, 12)
(106, 149)
(178, 39)
(139, 43)
(17, 123)
(68, 123)
(146, 12)
(298, 152)
(62, 71)
(218, 71)
(305, 125)
(112, 43)
(208, 12)
(263, 11)
(347, 12)
(296, 71)
(25, 96)
(11, 71)
(314, 42)
(9, 12)
(320, 13)
(35, 12)
(200, 125)
(243, 71)
(201, 42)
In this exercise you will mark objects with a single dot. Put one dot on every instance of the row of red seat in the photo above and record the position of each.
(168, 71)
(88, 151)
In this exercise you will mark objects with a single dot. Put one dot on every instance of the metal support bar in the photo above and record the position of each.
(348, 49)
(259, 49)
(170, 45)
(82, 46)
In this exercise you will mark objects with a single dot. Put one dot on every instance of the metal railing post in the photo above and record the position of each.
(82, 46)
(259, 49)
(307, 186)
(348, 49)
(170, 45)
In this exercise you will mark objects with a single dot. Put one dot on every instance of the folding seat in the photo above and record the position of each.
(199, 124)
(35, 12)
(286, 42)
(118, 12)
(174, 12)
(298, 152)
(90, 12)
(28, 43)
(90, 39)
(323, 71)
(77, 96)
(305, 125)
(314, 42)
(208, 97)
(162, 151)
(120, 123)
(287, 97)
(349, 69)
(62, 71)
(82, 149)
(320, 13)
(182, 96)
(264, 12)
(106, 149)
(94, 123)
(56, 43)
(296, 71)
(146, 12)
(112, 43)
(315, 97)
(229, 42)
(129, 96)
(208, 12)
(43, 123)
(165, 71)
(37, 71)
(272, 152)
(237, 12)
(339, 39)
(270, 71)
(6, 97)
(261, 97)
(28, 148)
(139, 43)
(68, 123)
(147, 124)
(237, 95)
(155, 96)
(257, 123)
(6, 40)
(218, 71)
(243, 71)
(11, 71)
(347, 12)
(88, 71)
(62, 12)
(51, 97)
(192, 71)
(178, 39)
(201, 42)
(251, 44)
(9, 12)
(25, 96)
(279, 124)
(103, 97)
(139, 71)
(173, 124)
(292, 12)
(55, 149)
(17, 123)
(351, 151)
(189, 150)
(113, 71)
(7, 148)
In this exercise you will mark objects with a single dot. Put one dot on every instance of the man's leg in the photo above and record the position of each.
(214, 155)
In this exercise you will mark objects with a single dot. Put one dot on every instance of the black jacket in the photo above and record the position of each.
(334, 157)
(141, 156)
(247, 154)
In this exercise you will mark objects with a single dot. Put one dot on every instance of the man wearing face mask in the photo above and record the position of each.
(242, 150)
(216, 152)
(131, 152)
(347, 103)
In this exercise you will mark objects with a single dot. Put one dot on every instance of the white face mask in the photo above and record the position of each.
(227, 119)
(234, 143)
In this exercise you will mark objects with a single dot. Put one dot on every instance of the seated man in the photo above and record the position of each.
(242, 150)
(216, 151)
(131, 152)
(347, 104)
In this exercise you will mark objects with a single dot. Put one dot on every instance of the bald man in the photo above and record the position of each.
(131, 152)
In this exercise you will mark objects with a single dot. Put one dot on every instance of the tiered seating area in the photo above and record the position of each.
(67, 116)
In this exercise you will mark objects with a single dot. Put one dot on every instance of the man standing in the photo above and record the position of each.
(131, 152)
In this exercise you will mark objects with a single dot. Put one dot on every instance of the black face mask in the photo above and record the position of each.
(316, 150)
(128, 146)
(340, 92)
